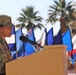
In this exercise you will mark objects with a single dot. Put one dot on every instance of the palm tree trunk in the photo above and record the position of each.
(63, 25)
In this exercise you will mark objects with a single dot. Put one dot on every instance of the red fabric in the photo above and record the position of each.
(72, 52)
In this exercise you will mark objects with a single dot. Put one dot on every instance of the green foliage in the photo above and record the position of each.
(60, 9)
(28, 18)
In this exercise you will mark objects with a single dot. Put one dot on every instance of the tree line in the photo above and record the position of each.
(59, 11)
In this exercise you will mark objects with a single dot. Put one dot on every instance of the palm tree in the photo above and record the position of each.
(28, 18)
(62, 10)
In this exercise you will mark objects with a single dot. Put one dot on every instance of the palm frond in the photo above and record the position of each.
(56, 3)
(29, 16)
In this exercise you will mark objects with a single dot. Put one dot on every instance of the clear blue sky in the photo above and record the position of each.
(13, 8)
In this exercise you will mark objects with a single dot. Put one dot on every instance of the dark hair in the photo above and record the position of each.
(1, 25)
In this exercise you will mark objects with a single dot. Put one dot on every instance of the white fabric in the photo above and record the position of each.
(74, 41)
(10, 39)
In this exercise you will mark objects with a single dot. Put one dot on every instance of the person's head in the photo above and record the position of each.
(5, 26)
